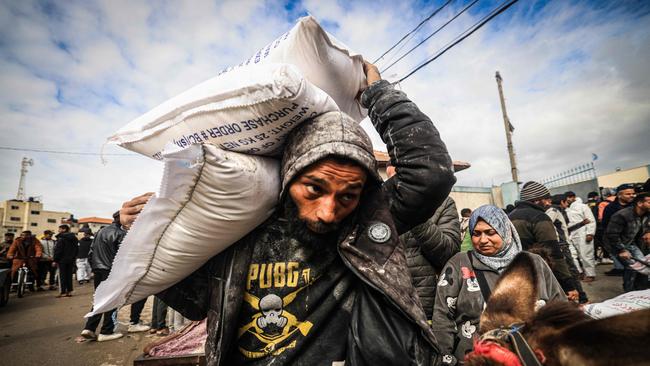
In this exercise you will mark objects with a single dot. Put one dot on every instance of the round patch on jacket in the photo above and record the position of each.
(379, 232)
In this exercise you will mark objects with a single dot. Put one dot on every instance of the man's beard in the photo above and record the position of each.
(324, 234)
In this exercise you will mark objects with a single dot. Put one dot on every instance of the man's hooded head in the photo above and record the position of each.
(327, 163)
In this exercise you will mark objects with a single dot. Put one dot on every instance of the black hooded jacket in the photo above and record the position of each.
(66, 248)
(105, 246)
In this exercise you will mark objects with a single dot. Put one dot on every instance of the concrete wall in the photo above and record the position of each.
(634, 175)
(509, 193)
(471, 197)
(581, 189)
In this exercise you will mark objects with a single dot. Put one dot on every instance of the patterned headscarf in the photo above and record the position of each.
(500, 222)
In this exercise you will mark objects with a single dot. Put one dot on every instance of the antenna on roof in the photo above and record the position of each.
(23, 173)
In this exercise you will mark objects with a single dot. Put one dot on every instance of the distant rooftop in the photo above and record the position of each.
(95, 220)
(383, 159)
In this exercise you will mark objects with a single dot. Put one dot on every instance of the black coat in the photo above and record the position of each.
(425, 174)
(428, 247)
(105, 246)
(84, 248)
(66, 248)
(536, 228)
(626, 228)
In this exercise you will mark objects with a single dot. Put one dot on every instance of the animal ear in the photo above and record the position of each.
(514, 295)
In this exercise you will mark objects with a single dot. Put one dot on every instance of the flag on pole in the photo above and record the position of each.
(594, 157)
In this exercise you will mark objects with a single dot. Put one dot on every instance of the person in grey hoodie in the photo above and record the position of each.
(45, 266)
(467, 280)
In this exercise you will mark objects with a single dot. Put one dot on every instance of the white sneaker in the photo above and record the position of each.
(88, 334)
(606, 261)
(134, 328)
(108, 337)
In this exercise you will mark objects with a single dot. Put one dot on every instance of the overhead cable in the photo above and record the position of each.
(468, 32)
(432, 34)
(62, 152)
(412, 32)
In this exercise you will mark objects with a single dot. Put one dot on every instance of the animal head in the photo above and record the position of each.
(559, 333)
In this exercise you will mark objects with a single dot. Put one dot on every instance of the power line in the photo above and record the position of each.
(432, 34)
(468, 32)
(61, 152)
(412, 32)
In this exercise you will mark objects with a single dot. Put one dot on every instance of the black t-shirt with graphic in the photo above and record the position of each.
(296, 308)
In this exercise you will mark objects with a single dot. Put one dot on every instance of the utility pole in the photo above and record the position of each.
(23, 173)
(509, 130)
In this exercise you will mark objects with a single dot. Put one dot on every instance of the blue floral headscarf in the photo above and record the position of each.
(500, 222)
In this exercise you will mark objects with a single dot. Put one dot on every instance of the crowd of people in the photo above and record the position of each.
(55, 261)
(356, 270)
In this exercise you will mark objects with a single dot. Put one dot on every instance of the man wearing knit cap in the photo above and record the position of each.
(325, 281)
(535, 228)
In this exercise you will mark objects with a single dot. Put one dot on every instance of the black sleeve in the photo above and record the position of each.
(613, 233)
(58, 250)
(439, 240)
(75, 245)
(424, 168)
(575, 227)
(546, 236)
(190, 296)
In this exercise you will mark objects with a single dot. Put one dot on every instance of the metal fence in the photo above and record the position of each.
(578, 174)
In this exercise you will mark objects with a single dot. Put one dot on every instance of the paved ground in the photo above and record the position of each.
(41, 330)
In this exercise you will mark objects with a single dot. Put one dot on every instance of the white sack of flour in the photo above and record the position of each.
(209, 198)
(625, 303)
(249, 110)
(322, 59)
(251, 107)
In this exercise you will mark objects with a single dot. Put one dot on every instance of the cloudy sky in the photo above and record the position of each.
(576, 78)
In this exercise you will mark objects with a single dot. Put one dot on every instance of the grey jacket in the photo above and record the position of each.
(459, 302)
(425, 175)
(428, 247)
(48, 248)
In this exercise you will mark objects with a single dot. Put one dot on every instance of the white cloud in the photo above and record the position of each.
(576, 82)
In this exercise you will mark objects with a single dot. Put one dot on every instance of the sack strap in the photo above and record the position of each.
(480, 277)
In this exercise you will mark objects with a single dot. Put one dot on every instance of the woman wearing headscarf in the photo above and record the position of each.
(467, 279)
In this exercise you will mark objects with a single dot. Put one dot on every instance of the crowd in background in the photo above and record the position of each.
(54, 261)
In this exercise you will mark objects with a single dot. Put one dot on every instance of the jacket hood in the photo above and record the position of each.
(329, 134)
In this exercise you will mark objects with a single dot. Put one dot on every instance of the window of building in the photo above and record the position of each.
(36, 212)
(34, 224)
(15, 207)
(51, 221)
(13, 218)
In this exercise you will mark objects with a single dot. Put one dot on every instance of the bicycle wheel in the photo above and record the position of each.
(20, 288)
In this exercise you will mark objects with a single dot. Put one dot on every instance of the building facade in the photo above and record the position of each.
(633, 175)
(18, 216)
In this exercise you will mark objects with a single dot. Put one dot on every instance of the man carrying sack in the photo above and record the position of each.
(325, 280)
